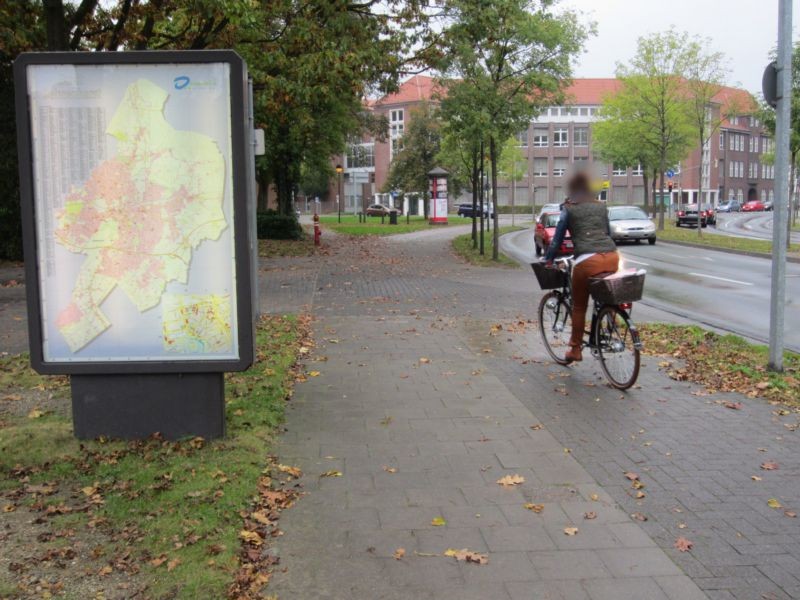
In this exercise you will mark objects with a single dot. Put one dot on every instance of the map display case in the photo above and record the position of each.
(135, 211)
(138, 212)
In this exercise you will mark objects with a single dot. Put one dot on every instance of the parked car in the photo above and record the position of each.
(711, 214)
(631, 223)
(465, 210)
(769, 205)
(729, 206)
(379, 210)
(549, 208)
(753, 206)
(687, 215)
(545, 231)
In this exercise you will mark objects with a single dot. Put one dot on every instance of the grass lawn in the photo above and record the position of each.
(373, 226)
(723, 362)
(175, 517)
(280, 248)
(463, 248)
(712, 240)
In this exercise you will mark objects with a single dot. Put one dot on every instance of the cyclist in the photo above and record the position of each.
(595, 252)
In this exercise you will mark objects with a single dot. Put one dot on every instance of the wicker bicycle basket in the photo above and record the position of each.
(549, 279)
(617, 288)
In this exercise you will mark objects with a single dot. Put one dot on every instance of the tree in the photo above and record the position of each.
(705, 76)
(512, 166)
(655, 91)
(517, 55)
(421, 146)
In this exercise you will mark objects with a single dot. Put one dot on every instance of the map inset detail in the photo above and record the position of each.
(138, 218)
(197, 324)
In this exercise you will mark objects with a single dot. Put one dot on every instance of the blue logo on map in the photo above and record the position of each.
(181, 82)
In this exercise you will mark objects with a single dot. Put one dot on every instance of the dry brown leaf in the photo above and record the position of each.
(251, 537)
(157, 562)
(733, 405)
(331, 473)
(537, 427)
(632, 476)
(509, 480)
(537, 508)
(774, 503)
(389, 469)
(399, 553)
(465, 555)
(638, 516)
(790, 513)
(173, 563)
(293, 471)
(424, 360)
(590, 515)
(755, 478)
(570, 530)
(769, 466)
(438, 522)
(683, 544)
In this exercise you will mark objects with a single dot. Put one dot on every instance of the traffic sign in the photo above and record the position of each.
(670, 173)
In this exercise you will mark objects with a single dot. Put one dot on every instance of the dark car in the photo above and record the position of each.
(545, 231)
(379, 210)
(687, 215)
(753, 206)
(711, 214)
(729, 206)
(769, 205)
(465, 210)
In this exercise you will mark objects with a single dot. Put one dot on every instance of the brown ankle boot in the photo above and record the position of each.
(574, 353)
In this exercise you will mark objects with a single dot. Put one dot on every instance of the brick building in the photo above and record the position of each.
(731, 165)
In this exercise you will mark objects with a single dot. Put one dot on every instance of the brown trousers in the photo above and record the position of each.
(606, 262)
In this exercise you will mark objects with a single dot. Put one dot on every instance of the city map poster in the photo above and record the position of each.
(133, 202)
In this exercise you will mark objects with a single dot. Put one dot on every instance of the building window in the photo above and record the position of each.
(731, 166)
(731, 141)
(560, 138)
(580, 159)
(721, 141)
(619, 171)
(740, 195)
(559, 167)
(731, 195)
(763, 195)
(583, 111)
(540, 167)
(581, 136)
(755, 143)
(522, 138)
(771, 196)
(396, 122)
(637, 171)
(540, 138)
(734, 120)
(360, 156)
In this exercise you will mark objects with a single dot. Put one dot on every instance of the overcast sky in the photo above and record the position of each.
(744, 30)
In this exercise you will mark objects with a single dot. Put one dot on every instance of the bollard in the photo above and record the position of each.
(317, 230)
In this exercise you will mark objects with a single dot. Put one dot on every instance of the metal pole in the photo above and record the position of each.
(779, 233)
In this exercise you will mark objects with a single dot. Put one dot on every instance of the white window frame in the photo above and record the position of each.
(721, 140)
(618, 172)
(561, 137)
(637, 171)
(540, 173)
(581, 143)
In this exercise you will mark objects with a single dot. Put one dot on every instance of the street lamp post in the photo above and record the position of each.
(339, 171)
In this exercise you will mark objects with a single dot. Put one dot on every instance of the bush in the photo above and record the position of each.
(274, 226)
(518, 209)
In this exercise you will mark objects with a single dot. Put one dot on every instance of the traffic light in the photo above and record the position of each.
(669, 186)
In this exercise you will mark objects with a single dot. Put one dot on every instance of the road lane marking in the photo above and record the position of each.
(636, 262)
(721, 279)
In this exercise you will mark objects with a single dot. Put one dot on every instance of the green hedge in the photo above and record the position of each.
(518, 209)
(272, 226)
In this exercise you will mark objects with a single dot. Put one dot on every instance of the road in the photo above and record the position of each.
(726, 291)
(752, 225)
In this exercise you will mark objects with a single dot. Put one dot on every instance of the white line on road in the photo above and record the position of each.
(721, 278)
(636, 262)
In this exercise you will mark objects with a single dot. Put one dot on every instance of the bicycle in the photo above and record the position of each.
(612, 338)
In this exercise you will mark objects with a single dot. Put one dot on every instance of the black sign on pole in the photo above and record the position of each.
(138, 230)
(769, 84)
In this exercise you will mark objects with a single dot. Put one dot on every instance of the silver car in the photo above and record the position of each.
(631, 223)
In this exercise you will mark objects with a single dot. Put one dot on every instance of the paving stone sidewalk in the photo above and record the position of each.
(418, 439)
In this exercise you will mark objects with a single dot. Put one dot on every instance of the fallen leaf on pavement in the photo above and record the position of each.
(537, 508)
(632, 476)
(590, 515)
(511, 480)
(331, 473)
(389, 469)
(594, 497)
(469, 556)
(790, 513)
(769, 466)
(638, 516)
(733, 405)
(570, 530)
(773, 503)
(424, 360)
(755, 478)
(314, 374)
(683, 544)
(537, 427)
(399, 553)
(293, 471)
(438, 521)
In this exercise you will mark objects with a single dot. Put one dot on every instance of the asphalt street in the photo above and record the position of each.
(727, 291)
(752, 225)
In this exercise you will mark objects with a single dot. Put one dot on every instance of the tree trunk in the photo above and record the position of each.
(474, 198)
(56, 27)
(661, 203)
(496, 232)
(482, 199)
(644, 183)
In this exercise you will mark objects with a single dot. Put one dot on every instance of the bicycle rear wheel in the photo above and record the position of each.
(617, 340)
(555, 324)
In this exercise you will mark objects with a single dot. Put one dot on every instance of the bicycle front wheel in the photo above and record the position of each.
(555, 324)
(617, 347)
